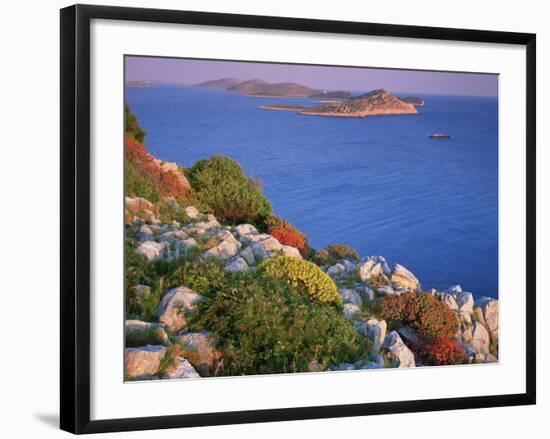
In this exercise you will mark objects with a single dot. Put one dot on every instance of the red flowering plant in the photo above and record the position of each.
(443, 351)
(434, 322)
(287, 234)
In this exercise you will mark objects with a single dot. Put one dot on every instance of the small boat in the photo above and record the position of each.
(440, 136)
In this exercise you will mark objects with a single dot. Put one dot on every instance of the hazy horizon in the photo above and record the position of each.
(193, 71)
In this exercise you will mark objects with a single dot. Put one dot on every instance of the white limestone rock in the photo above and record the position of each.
(397, 351)
(175, 307)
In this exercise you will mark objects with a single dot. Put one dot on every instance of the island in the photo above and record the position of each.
(142, 83)
(339, 94)
(413, 100)
(375, 103)
(261, 88)
(223, 83)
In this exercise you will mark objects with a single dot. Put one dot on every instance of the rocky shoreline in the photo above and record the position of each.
(242, 248)
(216, 284)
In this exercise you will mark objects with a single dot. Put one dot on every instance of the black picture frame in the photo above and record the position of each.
(75, 217)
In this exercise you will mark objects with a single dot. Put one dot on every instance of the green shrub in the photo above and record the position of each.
(303, 276)
(132, 128)
(263, 326)
(221, 184)
(205, 277)
(331, 254)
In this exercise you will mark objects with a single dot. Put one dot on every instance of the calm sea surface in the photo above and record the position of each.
(378, 184)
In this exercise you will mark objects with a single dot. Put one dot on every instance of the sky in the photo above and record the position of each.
(193, 71)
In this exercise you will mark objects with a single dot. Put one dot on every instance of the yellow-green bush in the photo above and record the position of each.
(303, 276)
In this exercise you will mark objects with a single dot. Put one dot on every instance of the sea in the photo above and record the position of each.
(379, 184)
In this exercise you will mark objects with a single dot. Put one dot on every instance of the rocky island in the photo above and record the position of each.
(375, 103)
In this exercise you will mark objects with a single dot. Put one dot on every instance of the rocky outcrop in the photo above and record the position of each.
(181, 369)
(351, 311)
(200, 349)
(374, 268)
(142, 363)
(140, 333)
(350, 296)
(376, 332)
(227, 247)
(153, 250)
(397, 351)
(465, 302)
(403, 278)
(486, 311)
(175, 307)
(480, 338)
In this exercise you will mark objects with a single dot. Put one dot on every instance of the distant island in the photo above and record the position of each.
(413, 100)
(257, 87)
(337, 103)
(143, 83)
(261, 88)
(375, 103)
(223, 83)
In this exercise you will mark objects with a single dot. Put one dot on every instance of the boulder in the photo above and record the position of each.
(336, 270)
(350, 296)
(454, 289)
(349, 266)
(369, 294)
(480, 338)
(245, 231)
(466, 334)
(153, 250)
(248, 255)
(143, 362)
(191, 212)
(465, 302)
(397, 351)
(374, 267)
(175, 307)
(449, 300)
(237, 264)
(181, 369)
(226, 249)
(202, 228)
(486, 311)
(174, 236)
(139, 333)
(265, 248)
(403, 278)
(200, 349)
(287, 250)
(351, 311)
(376, 332)
(137, 204)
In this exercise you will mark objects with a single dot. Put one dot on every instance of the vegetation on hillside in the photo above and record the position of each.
(220, 183)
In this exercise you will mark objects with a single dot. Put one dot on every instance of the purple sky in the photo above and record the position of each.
(176, 70)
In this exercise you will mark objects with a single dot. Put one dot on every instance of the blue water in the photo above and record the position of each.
(378, 184)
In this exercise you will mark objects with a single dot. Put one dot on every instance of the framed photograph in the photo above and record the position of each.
(268, 218)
